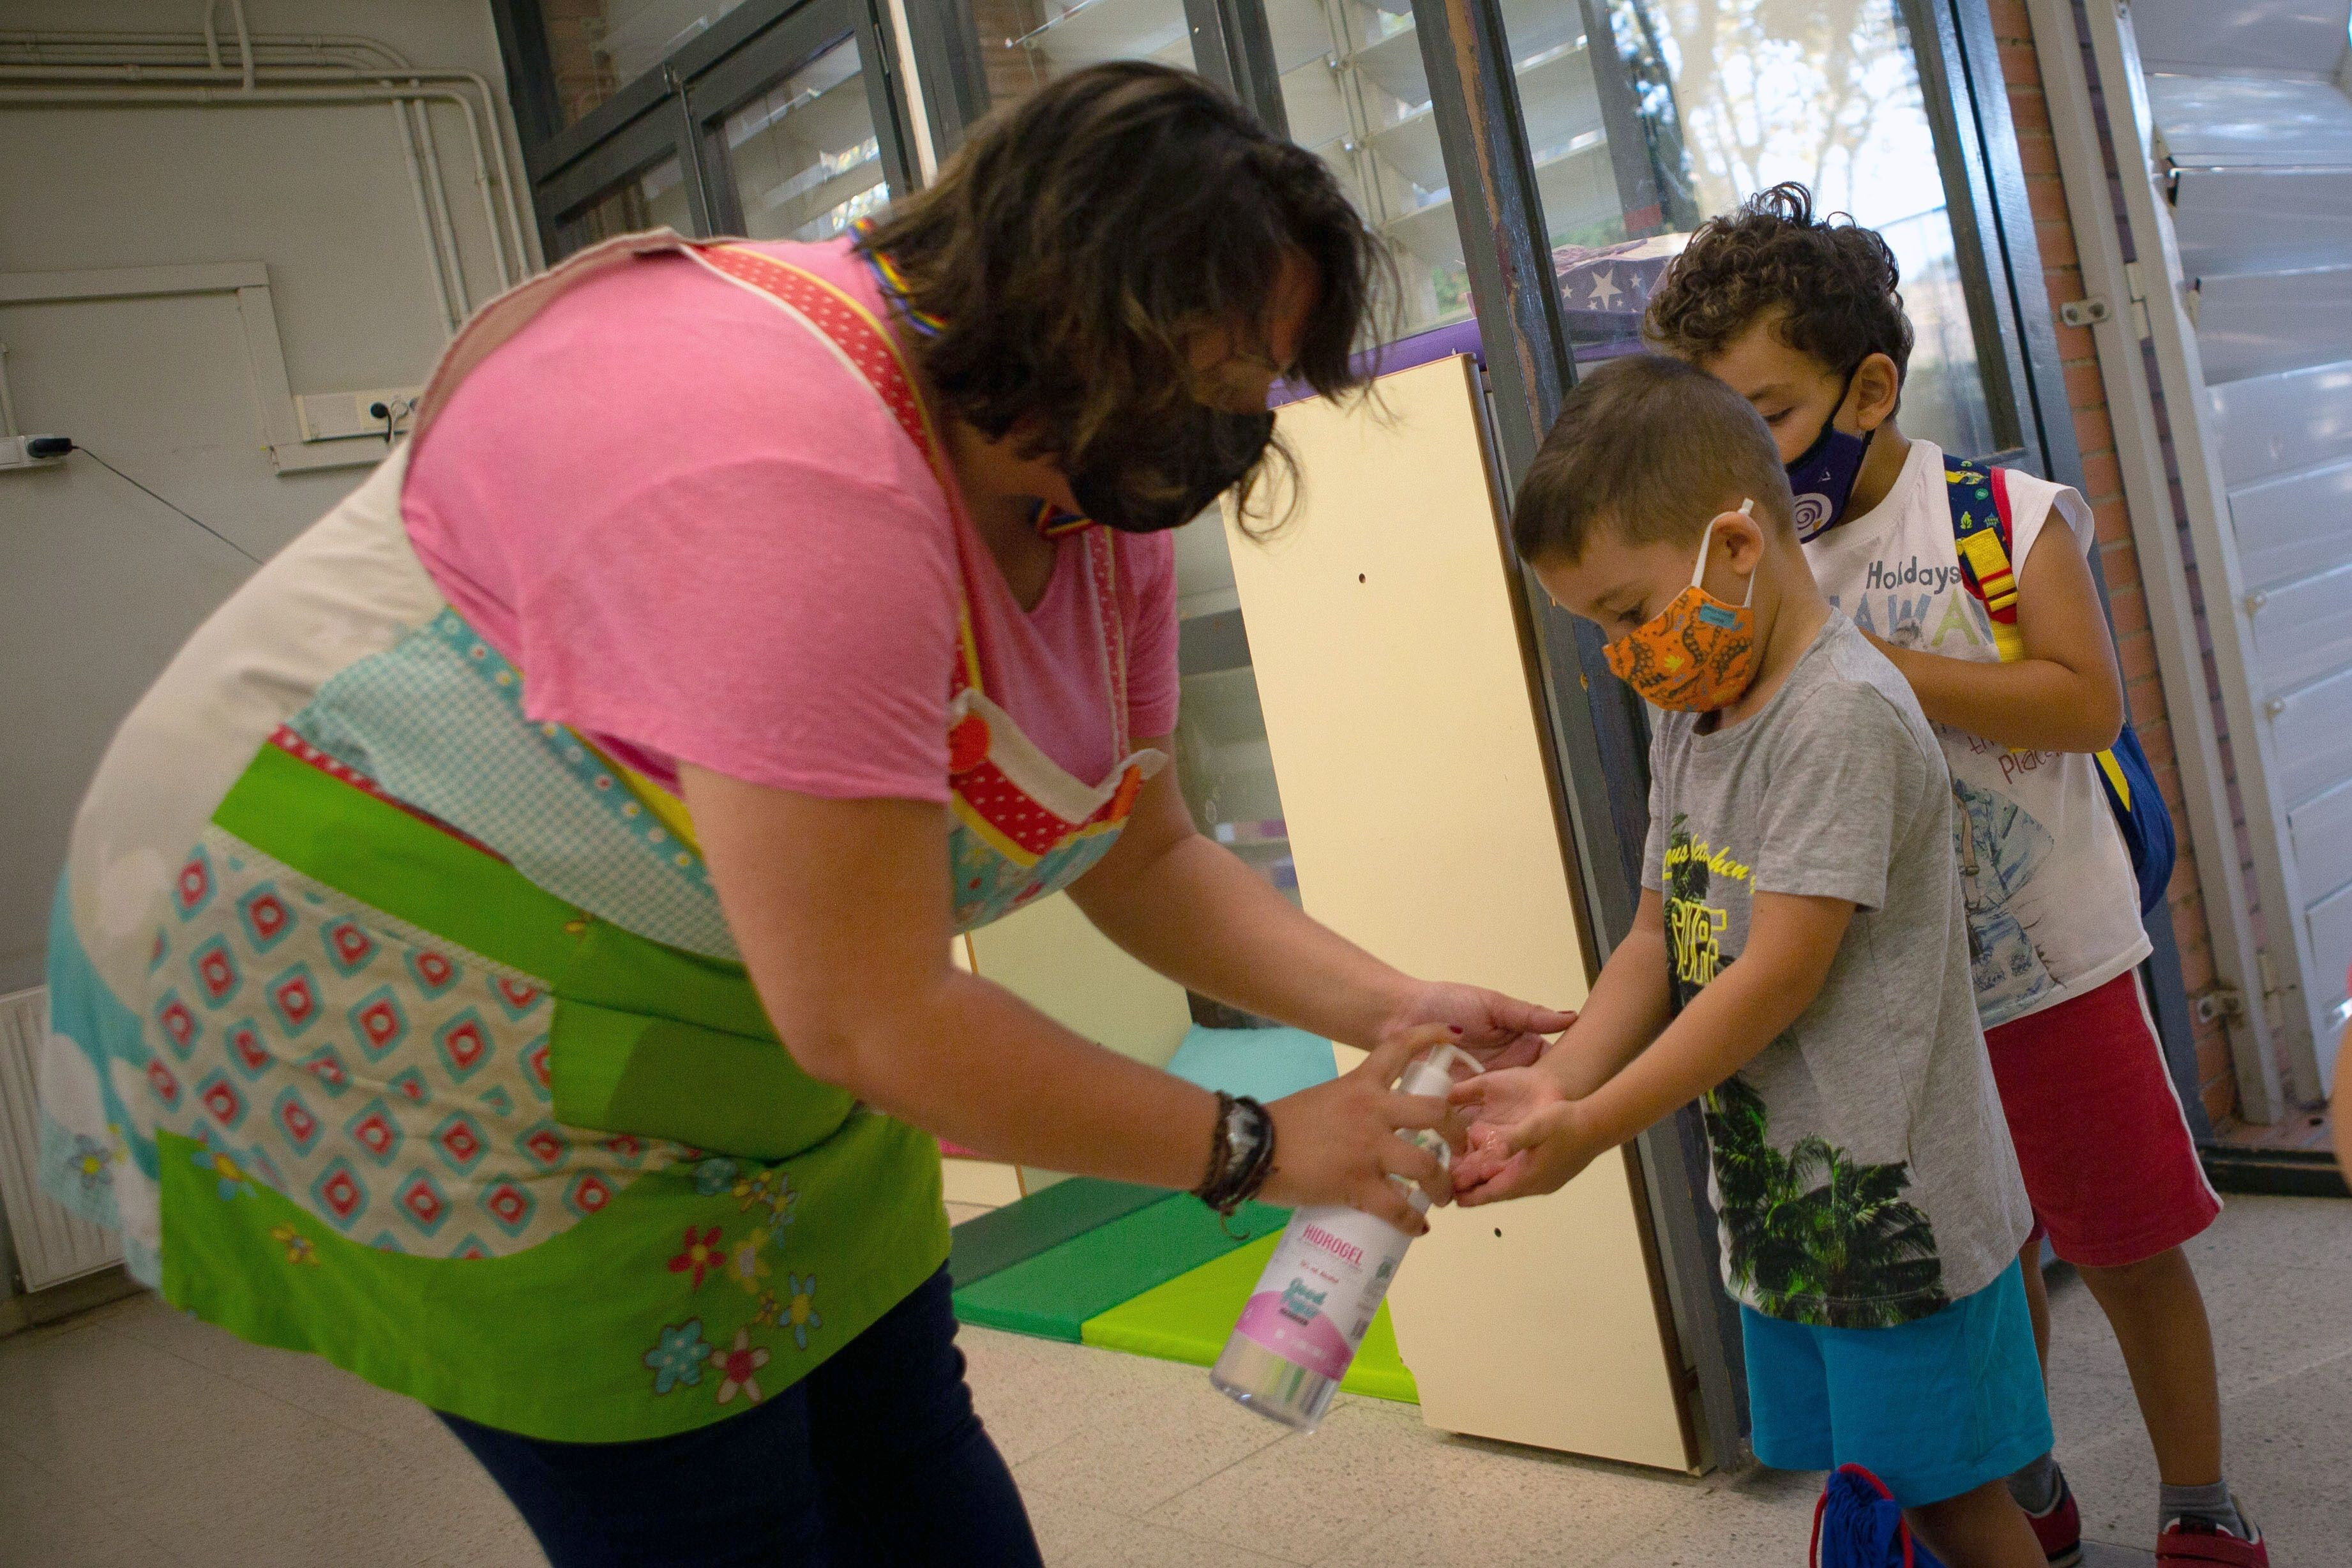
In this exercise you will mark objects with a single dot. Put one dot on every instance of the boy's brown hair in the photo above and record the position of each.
(1835, 285)
(1652, 447)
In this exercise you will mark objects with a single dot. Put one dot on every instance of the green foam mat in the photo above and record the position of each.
(1054, 1293)
(987, 1244)
(1190, 1317)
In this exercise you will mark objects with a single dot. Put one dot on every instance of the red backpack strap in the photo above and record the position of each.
(2001, 596)
(1981, 536)
(2001, 507)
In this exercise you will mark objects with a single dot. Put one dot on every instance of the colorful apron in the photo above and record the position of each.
(389, 1025)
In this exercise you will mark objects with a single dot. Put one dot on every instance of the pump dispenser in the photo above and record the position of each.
(1315, 1300)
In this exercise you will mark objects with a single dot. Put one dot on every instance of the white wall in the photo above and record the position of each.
(98, 583)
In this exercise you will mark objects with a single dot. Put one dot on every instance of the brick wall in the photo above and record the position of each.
(575, 38)
(1012, 73)
(2102, 485)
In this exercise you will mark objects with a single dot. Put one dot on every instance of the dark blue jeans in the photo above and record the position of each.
(875, 1459)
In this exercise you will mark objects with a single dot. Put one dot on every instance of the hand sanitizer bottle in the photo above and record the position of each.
(1314, 1301)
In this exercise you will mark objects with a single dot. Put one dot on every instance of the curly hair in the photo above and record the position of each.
(1835, 285)
(1079, 244)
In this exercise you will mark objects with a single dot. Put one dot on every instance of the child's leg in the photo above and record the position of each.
(1945, 1408)
(2159, 1317)
(1980, 1529)
(2113, 1172)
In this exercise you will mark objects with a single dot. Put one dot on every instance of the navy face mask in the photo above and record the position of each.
(1823, 474)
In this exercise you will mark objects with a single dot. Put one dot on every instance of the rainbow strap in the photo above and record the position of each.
(894, 284)
(1051, 521)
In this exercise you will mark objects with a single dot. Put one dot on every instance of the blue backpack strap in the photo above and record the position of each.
(1858, 1524)
(1981, 533)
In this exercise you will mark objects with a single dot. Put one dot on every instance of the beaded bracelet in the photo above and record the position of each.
(1241, 1154)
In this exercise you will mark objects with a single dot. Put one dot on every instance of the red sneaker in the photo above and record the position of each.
(2198, 1543)
(2059, 1528)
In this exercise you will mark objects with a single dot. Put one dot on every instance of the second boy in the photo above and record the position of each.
(1799, 959)
(1803, 319)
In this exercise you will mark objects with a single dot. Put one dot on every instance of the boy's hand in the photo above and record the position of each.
(1528, 1138)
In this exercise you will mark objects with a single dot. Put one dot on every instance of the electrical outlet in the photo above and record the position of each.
(33, 451)
(337, 416)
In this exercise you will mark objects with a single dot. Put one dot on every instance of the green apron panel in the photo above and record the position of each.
(625, 1072)
(596, 1336)
(647, 1040)
(740, 1223)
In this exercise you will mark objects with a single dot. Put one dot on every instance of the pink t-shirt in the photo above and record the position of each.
(702, 538)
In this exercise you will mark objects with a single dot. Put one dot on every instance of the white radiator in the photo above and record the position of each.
(52, 1246)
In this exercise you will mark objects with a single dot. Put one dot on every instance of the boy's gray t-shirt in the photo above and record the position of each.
(1862, 1171)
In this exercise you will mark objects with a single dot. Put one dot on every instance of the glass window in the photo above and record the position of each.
(1024, 44)
(654, 199)
(596, 47)
(804, 156)
(1691, 105)
(1731, 95)
(1354, 90)
(1223, 766)
(1223, 763)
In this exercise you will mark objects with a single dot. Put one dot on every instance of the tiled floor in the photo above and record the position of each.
(132, 1435)
(2296, 1130)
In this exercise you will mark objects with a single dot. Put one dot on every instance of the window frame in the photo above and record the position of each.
(680, 108)
(1231, 47)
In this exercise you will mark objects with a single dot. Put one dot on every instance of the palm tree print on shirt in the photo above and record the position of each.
(1817, 1235)
(1812, 1236)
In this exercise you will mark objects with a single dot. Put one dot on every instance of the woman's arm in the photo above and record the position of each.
(1189, 909)
(840, 908)
(2065, 695)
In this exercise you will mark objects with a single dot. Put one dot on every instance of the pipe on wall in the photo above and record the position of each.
(132, 93)
(445, 227)
(103, 61)
(450, 316)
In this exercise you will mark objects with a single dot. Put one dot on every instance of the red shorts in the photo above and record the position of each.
(2109, 1163)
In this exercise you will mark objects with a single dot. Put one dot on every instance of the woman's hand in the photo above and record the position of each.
(1338, 1143)
(1498, 1030)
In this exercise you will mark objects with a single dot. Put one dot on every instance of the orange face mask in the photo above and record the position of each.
(1699, 654)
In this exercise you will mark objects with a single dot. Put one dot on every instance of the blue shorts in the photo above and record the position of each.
(1934, 1408)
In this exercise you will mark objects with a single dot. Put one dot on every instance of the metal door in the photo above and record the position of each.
(2233, 133)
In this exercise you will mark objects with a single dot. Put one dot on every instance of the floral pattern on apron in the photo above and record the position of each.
(432, 1054)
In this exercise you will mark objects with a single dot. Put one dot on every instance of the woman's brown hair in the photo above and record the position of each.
(1079, 242)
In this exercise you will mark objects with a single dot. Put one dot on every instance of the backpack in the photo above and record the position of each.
(1858, 1524)
(1981, 529)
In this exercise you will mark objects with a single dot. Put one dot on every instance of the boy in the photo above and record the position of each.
(1803, 320)
(1799, 958)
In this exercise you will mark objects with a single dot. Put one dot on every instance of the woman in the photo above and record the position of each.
(414, 968)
